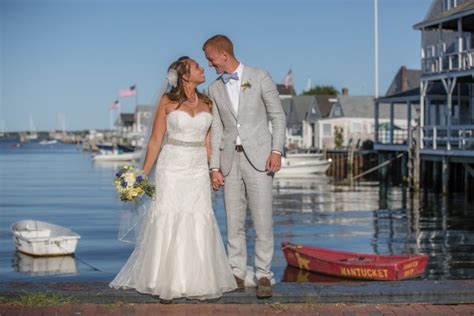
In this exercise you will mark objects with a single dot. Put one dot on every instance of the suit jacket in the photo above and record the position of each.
(259, 104)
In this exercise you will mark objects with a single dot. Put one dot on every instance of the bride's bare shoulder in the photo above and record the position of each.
(167, 104)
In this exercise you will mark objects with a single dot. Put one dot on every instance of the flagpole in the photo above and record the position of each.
(136, 96)
(376, 44)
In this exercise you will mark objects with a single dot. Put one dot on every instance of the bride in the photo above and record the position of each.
(180, 252)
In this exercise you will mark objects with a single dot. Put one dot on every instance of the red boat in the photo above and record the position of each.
(354, 265)
(295, 275)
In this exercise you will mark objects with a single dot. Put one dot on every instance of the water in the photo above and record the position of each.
(61, 184)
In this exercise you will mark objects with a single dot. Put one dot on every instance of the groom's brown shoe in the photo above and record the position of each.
(264, 288)
(240, 283)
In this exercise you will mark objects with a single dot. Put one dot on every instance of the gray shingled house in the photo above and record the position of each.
(355, 115)
(302, 113)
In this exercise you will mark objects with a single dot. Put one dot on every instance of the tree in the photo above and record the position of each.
(338, 137)
(321, 90)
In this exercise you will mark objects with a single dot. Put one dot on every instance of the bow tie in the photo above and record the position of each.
(227, 77)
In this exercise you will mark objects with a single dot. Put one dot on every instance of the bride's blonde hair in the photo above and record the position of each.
(182, 67)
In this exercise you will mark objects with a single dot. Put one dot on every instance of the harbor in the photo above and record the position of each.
(363, 217)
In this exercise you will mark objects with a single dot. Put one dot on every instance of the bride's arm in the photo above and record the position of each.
(157, 135)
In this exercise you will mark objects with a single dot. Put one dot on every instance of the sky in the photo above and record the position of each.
(69, 58)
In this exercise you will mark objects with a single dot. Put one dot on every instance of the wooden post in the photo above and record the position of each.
(376, 128)
(404, 167)
(383, 170)
(466, 184)
(445, 175)
(436, 174)
(392, 124)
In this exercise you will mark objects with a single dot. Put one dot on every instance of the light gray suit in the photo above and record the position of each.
(246, 182)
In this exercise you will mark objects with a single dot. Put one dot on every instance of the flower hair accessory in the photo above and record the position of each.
(172, 77)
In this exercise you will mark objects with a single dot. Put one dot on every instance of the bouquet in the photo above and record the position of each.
(131, 184)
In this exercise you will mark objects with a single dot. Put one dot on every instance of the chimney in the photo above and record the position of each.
(403, 79)
(345, 91)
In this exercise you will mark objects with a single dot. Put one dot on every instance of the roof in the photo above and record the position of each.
(357, 106)
(439, 16)
(302, 104)
(404, 80)
(405, 96)
(282, 90)
(285, 103)
(325, 104)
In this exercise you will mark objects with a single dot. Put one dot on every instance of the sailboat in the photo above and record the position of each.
(31, 135)
(2, 128)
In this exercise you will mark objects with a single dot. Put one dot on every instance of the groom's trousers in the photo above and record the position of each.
(246, 187)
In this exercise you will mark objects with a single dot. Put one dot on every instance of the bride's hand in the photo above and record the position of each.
(217, 179)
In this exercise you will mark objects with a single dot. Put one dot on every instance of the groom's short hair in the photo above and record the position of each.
(221, 43)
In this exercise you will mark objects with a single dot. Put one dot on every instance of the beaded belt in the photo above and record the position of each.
(177, 142)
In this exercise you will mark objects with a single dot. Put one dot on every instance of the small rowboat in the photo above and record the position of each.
(354, 265)
(43, 239)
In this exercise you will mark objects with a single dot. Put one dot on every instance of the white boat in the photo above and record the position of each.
(43, 239)
(300, 157)
(44, 265)
(114, 156)
(48, 142)
(291, 168)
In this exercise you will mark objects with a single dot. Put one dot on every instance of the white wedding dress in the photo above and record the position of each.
(181, 252)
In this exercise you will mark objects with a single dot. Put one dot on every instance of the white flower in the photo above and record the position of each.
(172, 77)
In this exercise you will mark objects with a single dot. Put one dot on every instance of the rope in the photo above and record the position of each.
(379, 166)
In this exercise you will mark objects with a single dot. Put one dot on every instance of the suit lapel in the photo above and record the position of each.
(242, 93)
(223, 92)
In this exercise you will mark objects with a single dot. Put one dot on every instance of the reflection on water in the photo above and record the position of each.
(61, 184)
(380, 220)
(24, 263)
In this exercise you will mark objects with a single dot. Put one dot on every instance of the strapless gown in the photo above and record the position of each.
(181, 253)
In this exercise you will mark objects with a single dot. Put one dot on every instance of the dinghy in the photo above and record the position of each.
(43, 239)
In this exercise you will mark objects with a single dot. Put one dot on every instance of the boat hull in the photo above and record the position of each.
(117, 157)
(354, 265)
(316, 167)
(38, 238)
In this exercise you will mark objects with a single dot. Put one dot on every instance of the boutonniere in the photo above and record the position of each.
(246, 85)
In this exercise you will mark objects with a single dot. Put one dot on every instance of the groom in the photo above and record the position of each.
(245, 155)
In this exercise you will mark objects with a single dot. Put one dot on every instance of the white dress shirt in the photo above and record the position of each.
(233, 90)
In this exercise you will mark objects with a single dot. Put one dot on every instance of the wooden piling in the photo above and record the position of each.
(445, 175)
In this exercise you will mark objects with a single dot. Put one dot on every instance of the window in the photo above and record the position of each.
(327, 130)
(430, 51)
(449, 4)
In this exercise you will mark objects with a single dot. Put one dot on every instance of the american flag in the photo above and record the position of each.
(288, 80)
(114, 105)
(128, 92)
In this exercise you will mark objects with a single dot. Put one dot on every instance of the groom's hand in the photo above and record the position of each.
(273, 162)
(217, 179)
